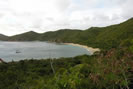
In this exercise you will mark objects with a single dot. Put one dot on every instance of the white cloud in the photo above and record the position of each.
(17, 16)
(62, 5)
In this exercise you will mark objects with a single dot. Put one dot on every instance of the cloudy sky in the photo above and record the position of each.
(18, 16)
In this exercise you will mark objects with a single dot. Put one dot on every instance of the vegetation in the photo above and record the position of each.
(112, 68)
(3, 37)
(108, 70)
(28, 36)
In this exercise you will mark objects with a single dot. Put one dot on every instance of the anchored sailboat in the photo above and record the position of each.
(18, 51)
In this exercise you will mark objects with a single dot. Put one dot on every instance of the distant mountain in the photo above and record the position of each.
(28, 36)
(101, 37)
(64, 35)
(3, 37)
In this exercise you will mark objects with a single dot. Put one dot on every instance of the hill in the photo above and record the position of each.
(101, 37)
(28, 36)
(3, 37)
(64, 35)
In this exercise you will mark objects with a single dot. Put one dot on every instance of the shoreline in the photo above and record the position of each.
(90, 49)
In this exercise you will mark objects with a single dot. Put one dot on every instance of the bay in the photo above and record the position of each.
(37, 50)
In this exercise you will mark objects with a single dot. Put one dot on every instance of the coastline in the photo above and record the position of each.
(90, 49)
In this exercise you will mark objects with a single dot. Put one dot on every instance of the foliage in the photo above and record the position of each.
(81, 72)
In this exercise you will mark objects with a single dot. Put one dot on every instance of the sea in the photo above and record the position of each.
(16, 51)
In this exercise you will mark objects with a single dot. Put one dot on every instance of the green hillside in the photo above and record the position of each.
(104, 37)
(28, 36)
(3, 37)
(64, 35)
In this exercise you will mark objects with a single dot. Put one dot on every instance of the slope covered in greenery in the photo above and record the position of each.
(3, 37)
(64, 35)
(28, 36)
(109, 70)
(104, 37)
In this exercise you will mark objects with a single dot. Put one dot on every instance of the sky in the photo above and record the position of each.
(18, 16)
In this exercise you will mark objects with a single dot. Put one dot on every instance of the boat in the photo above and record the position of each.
(17, 51)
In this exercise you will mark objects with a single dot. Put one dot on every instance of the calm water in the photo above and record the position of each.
(26, 50)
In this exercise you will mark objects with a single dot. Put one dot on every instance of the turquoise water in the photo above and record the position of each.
(37, 50)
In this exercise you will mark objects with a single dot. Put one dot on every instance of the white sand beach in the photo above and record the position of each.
(90, 49)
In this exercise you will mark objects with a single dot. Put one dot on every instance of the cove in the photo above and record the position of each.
(38, 50)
